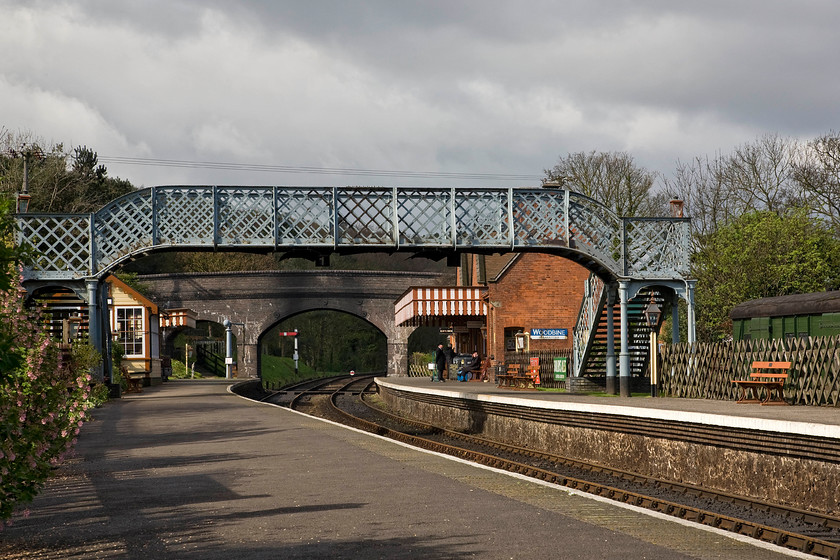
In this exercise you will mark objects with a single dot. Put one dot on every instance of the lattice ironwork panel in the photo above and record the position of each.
(196, 216)
(122, 227)
(62, 242)
(246, 215)
(482, 218)
(185, 216)
(365, 216)
(425, 216)
(595, 230)
(305, 216)
(706, 370)
(538, 218)
(657, 248)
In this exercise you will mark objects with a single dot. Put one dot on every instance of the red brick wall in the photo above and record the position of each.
(537, 291)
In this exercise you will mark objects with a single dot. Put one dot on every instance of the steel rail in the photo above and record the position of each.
(788, 539)
(320, 388)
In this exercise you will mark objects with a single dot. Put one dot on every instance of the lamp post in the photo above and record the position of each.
(228, 324)
(652, 316)
(22, 206)
(23, 197)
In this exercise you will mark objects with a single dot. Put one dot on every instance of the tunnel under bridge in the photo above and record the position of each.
(256, 301)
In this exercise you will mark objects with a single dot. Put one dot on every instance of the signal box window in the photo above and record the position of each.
(130, 330)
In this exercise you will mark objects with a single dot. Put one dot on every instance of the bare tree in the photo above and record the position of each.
(700, 184)
(818, 173)
(760, 174)
(611, 178)
(757, 176)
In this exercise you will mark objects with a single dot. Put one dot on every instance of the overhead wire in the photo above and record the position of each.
(228, 166)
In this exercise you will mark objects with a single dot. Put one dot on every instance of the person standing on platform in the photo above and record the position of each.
(440, 364)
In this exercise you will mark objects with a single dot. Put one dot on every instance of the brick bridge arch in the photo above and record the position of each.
(259, 300)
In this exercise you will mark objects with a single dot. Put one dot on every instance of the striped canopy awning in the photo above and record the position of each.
(440, 306)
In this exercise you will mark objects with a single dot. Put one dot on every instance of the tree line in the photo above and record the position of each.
(330, 341)
(765, 218)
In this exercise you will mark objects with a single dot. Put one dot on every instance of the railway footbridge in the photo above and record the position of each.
(629, 253)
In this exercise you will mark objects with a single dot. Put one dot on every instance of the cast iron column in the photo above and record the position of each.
(611, 388)
(624, 356)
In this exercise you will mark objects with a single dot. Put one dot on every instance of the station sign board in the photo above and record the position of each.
(550, 334)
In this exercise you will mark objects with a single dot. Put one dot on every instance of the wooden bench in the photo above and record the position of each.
(767, 376)
(132, 382)
(514, 378)
(506, 380)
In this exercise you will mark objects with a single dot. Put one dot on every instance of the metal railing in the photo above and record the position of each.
(75, 246)
(588, 318)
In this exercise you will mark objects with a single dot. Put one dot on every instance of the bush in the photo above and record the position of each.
(43, 398)
(117, 353)
(99, 395)
(180, 371)
(422, 359)
(277, 371)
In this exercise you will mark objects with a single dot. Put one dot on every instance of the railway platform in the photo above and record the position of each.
(776, 454)
(189, 470)
(803, 420)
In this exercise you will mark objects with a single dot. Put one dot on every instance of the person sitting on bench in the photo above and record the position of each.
(469, 366)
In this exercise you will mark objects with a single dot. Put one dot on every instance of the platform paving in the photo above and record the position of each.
(189, 470)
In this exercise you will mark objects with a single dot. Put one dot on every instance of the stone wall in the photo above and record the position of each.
(809, 484)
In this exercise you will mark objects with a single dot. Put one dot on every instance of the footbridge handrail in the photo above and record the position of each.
(594, 297)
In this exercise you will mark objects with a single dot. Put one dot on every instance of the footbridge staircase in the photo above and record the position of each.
(592, 331)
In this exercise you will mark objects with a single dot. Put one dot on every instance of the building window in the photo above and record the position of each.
(130, 330)
(510, 337)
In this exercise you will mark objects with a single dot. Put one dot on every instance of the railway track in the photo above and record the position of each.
(351, 401)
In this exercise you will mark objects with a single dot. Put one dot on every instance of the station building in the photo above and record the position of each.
(502, 303)
(135, 322)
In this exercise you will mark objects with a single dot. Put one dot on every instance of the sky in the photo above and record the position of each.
(405, 93)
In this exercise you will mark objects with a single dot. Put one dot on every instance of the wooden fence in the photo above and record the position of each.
(706, 370)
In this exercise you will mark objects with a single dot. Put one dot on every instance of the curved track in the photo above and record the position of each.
(348, 400)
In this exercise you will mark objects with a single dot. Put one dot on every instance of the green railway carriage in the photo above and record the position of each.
(798, 315)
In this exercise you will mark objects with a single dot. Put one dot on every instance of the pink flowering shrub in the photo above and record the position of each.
(43, 398)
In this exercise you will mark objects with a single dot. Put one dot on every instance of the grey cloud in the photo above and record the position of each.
(441, 85)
